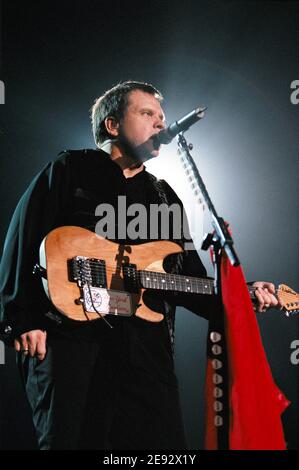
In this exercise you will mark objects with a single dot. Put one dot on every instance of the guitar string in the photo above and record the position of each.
(97, 267)
(160, 276)
(175, 285)
(110, 268)
(195, 289)
(172, 280)
(168, 278)
(103, 269)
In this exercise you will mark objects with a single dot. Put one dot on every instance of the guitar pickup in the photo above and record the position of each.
(131, 279)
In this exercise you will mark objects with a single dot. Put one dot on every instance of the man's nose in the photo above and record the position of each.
(159, 123)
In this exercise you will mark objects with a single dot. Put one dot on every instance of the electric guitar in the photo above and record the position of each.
(87, 277)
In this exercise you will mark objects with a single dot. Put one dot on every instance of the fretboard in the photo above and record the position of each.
(179, 283)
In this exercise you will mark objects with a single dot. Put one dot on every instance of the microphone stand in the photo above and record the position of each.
(220, 240)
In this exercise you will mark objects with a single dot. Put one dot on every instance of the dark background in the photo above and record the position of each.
(237, 58)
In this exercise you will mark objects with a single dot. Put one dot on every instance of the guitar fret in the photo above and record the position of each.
(180, 283)
(176, 282)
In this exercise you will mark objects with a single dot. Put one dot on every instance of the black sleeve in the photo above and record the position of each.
(189, 264)
(39, 211)
(200, 304)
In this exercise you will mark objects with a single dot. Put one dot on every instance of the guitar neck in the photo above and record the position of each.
(179, 283)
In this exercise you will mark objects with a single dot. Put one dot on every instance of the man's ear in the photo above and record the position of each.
(112, 126)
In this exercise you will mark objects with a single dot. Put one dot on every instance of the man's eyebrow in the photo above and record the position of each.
(149, 108)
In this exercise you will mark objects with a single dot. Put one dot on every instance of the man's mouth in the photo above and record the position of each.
(156, 142)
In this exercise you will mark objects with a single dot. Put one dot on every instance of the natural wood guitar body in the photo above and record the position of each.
(68, 242)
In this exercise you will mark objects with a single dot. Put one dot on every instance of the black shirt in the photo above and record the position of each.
(67, 192)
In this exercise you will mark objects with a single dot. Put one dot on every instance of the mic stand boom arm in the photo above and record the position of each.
(221, 235)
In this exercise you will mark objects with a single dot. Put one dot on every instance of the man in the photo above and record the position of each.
(91, 386)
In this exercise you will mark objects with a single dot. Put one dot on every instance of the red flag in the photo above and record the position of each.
(255, 402)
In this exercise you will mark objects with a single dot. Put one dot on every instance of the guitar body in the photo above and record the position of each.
(65, 243)
(89, 276)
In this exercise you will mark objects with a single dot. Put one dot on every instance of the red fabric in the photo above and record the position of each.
(255, 401)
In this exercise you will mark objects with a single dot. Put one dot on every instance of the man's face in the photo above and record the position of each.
(142, 119)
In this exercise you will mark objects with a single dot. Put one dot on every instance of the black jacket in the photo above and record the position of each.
(66, 192)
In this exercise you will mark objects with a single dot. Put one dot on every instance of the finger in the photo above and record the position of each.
(265, 285)
(267, 297)
(41, 347)
(273, 299)
(271, 287)
(24, 344)
(17, 345)
(264, 299)
(260, 299)
(31, 340)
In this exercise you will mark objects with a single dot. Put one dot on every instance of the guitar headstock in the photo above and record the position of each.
(289, 299)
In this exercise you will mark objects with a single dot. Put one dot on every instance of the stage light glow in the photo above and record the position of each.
(167, 166)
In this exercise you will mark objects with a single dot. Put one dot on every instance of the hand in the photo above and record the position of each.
(32, 342)
(265, 294)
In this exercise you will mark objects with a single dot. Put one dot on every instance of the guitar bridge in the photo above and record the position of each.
(85, 270)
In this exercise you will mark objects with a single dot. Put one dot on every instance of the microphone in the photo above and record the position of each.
(165, 136)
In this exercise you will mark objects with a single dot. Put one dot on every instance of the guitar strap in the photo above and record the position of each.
(160, 188)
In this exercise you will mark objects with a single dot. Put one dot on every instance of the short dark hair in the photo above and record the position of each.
(114, 103)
